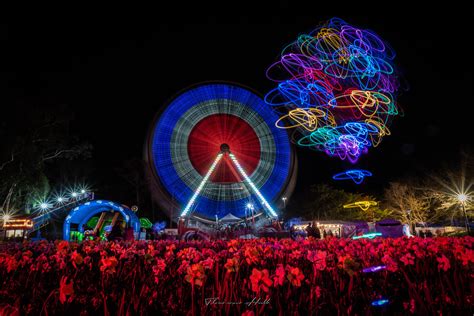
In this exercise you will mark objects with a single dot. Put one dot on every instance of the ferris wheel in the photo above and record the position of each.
(215, 150)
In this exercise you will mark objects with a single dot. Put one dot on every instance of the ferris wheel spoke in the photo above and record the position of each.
(253, 187)
(201, 185)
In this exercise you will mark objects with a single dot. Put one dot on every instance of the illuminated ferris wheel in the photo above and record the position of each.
(215, 151)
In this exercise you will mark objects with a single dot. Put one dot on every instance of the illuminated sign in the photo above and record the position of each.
(18, 224)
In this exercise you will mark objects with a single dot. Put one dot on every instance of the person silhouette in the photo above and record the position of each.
(116, 232)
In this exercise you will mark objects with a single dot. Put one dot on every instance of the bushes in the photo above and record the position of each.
(262, 276)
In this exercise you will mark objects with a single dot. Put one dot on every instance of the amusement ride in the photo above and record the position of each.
(216, 156)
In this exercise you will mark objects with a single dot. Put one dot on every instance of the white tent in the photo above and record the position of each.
(229, 218)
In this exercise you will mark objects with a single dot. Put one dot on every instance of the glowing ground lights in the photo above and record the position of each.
(336, 89)
(356, 175)
(368, 236)
(380, 302)
(374, 269)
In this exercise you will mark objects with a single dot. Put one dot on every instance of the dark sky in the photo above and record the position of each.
(115, 71)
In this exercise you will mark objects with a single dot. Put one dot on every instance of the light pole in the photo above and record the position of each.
(410, 223)
(284, 203)
(5, 219)
(462, 198)
(250, 208)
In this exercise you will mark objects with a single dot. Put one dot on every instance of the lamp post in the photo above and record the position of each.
(5, 219)
(250, 208)
(284, 203)
(462, 198)
(410, 223)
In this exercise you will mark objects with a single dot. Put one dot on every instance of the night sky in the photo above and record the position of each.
(114, 72)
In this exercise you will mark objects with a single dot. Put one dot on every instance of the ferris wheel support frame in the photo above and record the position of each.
(242, 172)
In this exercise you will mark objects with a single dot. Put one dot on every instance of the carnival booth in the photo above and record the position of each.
(389, 228)
(16, 228)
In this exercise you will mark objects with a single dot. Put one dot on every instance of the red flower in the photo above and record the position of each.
(158, 269)
(279, 277)
(108, 264)
(251, 255)
(443, 263)
(63, 247)
(408, 259)
(260, 280)
(12, 264)
(233, 245)
(150, 249)
(232, 265)
(189, 254)
(65, 289)
(295, 276)
(318, 258)
(295, 254)
(412, 306)
(208, 263)
(195, 274)
(76, 259)
(467, 256)
(183, 267)
(390, 263)
(318, 292)
(27, 255)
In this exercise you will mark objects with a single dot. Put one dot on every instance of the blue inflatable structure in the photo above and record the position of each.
(82, 213)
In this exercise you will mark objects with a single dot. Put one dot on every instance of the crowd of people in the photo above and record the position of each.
(228, 231)
(312, 230)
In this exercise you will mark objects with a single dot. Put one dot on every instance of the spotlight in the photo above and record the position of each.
(74, 194)
(60, 199)
(83, 191)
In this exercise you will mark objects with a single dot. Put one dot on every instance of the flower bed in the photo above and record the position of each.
(240, 277)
